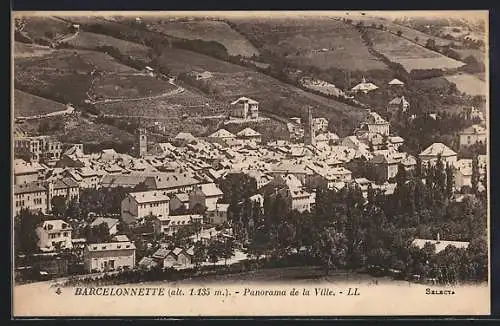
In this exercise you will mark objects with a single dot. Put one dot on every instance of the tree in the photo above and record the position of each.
(331, 248)
(199, 253)
(449, 180)
(73, 210)
(25, 235)
(475, 175)
(58, 204)
(97, 234)
(430, 44)
(214, 251)
(400, 33)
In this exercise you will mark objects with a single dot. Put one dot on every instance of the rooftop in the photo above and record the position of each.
(110, 246)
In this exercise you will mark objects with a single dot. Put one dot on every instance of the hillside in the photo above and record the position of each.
(26, 50)
(26, 104)
(41, 29)
(208, 30)
(322, 43)
(231, 81)
(79, 75)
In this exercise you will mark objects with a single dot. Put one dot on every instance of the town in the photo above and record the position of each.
(233, 201)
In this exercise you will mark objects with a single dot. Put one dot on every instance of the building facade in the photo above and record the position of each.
(137, 205)
(102, 257)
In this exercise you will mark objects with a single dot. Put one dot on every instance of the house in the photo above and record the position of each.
(25, 172)
(320, 125)
(250, 135)
(463, 173)
(176, 257)
(31, 196)
(39, 148)
(184, 138)
(86, 177)
(202, 75)
(364, 87)
(53, 235)
(64, 187)
(439, 244)
(475, 134)
(375, 123)
(395, 82)
(329, 177)
(385, 166)
(206, 196)
(179, 200)
(472, 113)
(112, 224)
(300, 200)
(123, 180)
(170, 224)
(398, 104)
(245, 108)
(219, 215)
(221, 136)
(110, 256)
(138, 205)
(431, 154)
(148, 263)
(395, 142)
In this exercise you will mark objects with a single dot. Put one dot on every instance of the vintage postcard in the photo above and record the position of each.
(311, 163)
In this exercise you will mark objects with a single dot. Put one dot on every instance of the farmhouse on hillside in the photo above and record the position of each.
(245, 108)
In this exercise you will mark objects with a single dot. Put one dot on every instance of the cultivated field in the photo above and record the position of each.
(43, 28)
(479, 55)
(73, 75)
(229, 82)
(322, 43)
(26, 104)
(409, 54)
(469, 84)
(89, 40)
(25, 50)
(207, 30)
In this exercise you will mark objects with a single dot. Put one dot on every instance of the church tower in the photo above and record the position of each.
(309, 137)
(142, 142)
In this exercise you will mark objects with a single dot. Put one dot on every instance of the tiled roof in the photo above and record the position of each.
(244, 99)
(222, 133)
(54, 225)
(438, 149)
(28, 188)
(149, 196)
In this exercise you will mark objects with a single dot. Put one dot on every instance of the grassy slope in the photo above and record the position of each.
(300, 41)
(45, 28)
(409, 54)
(26, 104)
(92, 41)
(207, 30)
(66, 75)
(25, 50)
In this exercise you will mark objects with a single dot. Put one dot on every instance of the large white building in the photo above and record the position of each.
(206, 196)
(101, 257)
(245, 108)
(475, 134)
(54, 234)
(138, 205)
(431, 154)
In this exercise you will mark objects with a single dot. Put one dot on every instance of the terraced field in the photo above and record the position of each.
(207, 30)
(74, 75)
(323, 43)
(231, 81)
(408, 54)
(25, 50)
(43, 27)
(87, 40)
(469, 84)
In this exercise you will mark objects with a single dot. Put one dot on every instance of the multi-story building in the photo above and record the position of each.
(172, 223)
(375, 123)
(102, 257)
(39, 148)
(25, 172)
(475, 134)
(431, 154)
(53, 235)
(31, 196)
(206, 196)
(138, 205)
(245, 108)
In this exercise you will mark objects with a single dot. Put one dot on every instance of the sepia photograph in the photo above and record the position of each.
(250, 163)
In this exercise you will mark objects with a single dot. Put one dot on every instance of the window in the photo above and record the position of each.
(65, 234)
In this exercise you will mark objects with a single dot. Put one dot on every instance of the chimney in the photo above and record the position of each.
(438, 238)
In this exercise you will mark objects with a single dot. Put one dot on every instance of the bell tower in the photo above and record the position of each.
(142, 142)
(309, 137)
